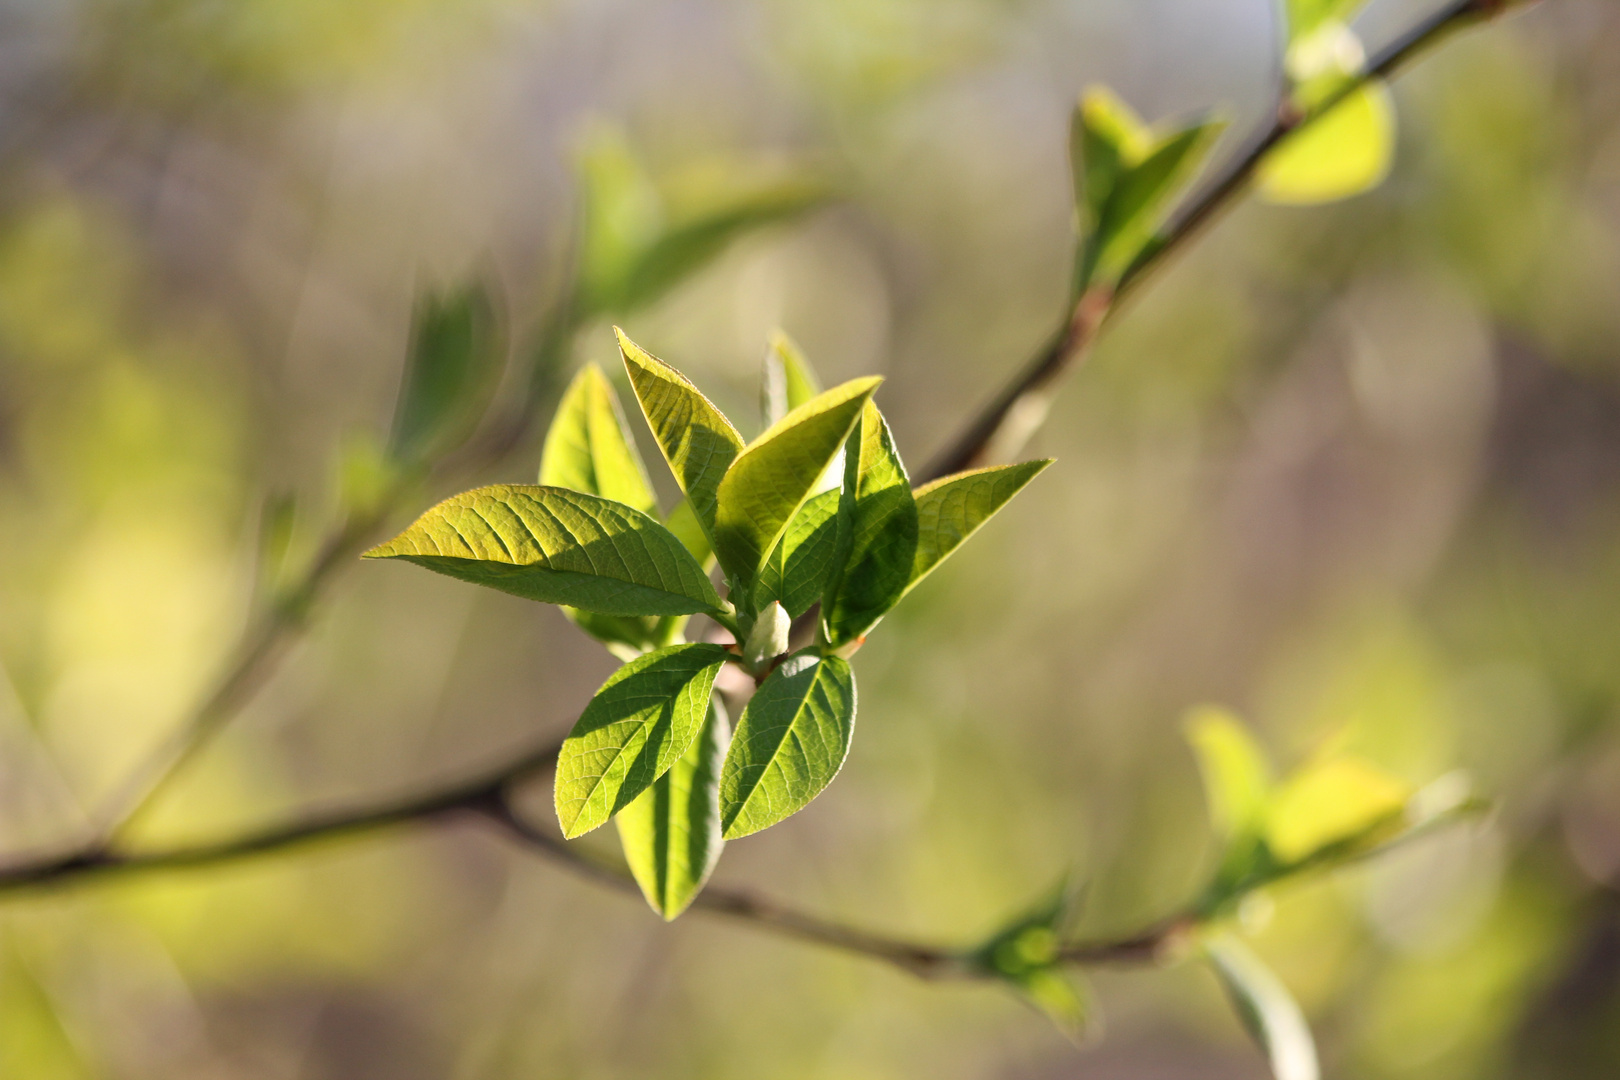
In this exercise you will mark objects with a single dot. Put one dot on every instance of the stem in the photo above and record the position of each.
(1021, 404)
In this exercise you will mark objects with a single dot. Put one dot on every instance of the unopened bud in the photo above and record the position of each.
(769, 637)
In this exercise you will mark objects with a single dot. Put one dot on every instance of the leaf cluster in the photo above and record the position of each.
(817, 513)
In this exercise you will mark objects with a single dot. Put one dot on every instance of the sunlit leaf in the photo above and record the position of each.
(797, 570)
(697, 440)
(637, 726)
(952, 508)
(682, 521)
(1337, 799)
(789, 379)
(772, 478)
(1305, 17)
(450, 373)
(560, 547)
(878, 526)
(1267, 1009)
(790, 743)
(1345, 152)
(1237, 777)
(589, 446)
(671, 832)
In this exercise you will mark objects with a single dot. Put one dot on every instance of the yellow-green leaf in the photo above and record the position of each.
(559, 547)
(671, 832)
(952, 508)
(878, 526)
(1237, 778)
(1344, 152)
(589, 446)
(790, 743)
(1330, 802)
(789, 379)
(637, 726)
(697, 440)
(772, 478)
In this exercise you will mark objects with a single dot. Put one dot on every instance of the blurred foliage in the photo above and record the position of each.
(1349, 469)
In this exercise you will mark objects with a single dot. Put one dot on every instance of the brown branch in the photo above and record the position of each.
(1024, 397)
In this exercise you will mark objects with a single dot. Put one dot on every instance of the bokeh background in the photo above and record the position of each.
(1348, 470)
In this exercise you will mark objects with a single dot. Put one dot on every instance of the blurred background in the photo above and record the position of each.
(1346, 469)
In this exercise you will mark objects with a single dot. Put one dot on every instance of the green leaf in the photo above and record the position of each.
(671, 832)
(1125, 176)
(589, 446)
(796, 572)
(773, 477)
(1237, 777)
(1027, 953)
(559, 547)
(789, 379)
(1337, 801)
(952, 508)
(450, 373)
(878, 528)
(621, 217)
(697, 440)
(1344, 152)
(690, 245)
(637, 726)
(1267, 1009)
(789, 744)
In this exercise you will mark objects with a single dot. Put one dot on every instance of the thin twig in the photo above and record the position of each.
(1023, 398)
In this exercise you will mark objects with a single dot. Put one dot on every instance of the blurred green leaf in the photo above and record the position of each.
(1237, 777)
(450, 373)
(1027, 954)
(637, 726)
(589, 446)
(683, 522)
(772, 478)
(559, 547)
(671, 832)
(1331, 801)
(1306, 17)
(1125, 176)
(877, 533)
(630, 255)
(1345, 152)
(952, 508)
(1265, 1006)
(789, 380)
(697, 440)
(797, 570)
(790, 743)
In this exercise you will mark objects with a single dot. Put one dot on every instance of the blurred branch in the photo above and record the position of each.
(1019, 409)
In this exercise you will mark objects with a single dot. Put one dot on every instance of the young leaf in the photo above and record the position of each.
(951, 509)
(620, 216)
(1027, 953)
(451, 370)
(797, 570)
(1237, 778)
(1267, 1009)
(789, 744)
(1125, 176)
(589, 446)
(559, 547)
(697, 440)
(1305, 17)
(789, 379)
(878, 527)
(671, 832)
(1344, 152)
(683, 522)
(636, 727)
(1335, 801)
(773, 477)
